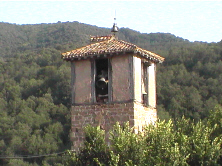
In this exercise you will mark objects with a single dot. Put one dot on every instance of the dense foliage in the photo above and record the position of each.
(183, 143)
(35, 92)
(34, 108)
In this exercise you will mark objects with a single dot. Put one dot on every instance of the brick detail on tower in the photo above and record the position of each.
(106, 115)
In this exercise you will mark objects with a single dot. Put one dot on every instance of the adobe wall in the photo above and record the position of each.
(82, 81)
(121, 84)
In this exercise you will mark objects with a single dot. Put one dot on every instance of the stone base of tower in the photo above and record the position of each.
(106, 115)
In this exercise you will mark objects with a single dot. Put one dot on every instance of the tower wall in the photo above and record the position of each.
(137, 75)
(152, 85)
(143, 116)
(106, 115)
(126, 104)
(81, 81)
(121, 78)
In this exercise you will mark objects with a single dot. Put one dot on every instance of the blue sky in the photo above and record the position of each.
(192, 20)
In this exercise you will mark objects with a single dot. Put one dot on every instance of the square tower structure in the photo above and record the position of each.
(112, 80)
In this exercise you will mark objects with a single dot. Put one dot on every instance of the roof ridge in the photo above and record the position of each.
(101, 38)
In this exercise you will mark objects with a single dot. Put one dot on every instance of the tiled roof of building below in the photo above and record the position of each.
(106, 46)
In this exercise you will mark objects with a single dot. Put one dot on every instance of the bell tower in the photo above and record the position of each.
(112, 80)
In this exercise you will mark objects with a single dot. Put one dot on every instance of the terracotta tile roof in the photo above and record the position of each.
(109, 45)
(100, 38)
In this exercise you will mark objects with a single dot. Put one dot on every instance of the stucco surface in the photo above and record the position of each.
(152, 85)
(121, 78)
(137, 79)
(82, 85)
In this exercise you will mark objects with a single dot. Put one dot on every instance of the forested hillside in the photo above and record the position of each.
(35, 92)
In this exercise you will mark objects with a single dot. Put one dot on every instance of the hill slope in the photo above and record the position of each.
(35, 92)
(188, 64)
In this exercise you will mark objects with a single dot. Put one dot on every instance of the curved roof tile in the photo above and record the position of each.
(109, 45)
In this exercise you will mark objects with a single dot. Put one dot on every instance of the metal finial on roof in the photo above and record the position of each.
(114, 29)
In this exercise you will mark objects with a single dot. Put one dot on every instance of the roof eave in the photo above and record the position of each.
(90, 56)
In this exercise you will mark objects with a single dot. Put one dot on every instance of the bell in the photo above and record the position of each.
(102, 83)
(114, 28)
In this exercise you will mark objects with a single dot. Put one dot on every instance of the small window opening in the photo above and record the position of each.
(101, 82)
